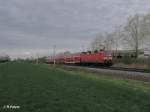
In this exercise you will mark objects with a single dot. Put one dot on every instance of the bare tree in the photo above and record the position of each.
(132, 30)
(98, 42)
(137, 29)
(118, 39)
(109, 41)
(103, 41)
(146, 30)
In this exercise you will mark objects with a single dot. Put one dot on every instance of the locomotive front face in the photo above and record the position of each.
(107, 58)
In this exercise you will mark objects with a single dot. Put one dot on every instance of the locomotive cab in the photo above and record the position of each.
(107, 58)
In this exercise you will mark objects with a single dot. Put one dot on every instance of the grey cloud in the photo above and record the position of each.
(39, 24)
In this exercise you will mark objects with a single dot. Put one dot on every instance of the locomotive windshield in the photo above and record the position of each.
(108, 53)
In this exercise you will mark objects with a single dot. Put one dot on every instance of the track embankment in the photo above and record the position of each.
(134, 75)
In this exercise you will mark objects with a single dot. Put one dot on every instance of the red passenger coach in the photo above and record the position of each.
(84, 58)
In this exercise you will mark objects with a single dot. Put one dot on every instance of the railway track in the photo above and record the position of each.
(113, 68)
(126, 69)
(125, 73)
(117, 68)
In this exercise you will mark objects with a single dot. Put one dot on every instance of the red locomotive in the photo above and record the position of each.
(84, 58)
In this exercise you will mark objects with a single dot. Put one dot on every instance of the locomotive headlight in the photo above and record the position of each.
(110, 58)
(105, 58)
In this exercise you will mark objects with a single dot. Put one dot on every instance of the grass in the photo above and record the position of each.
(127, 60)
(133, 62)
(40, 88)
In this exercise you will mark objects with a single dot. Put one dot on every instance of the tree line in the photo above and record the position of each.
(133, 35)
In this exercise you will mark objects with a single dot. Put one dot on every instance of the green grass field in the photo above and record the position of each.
(40, 88)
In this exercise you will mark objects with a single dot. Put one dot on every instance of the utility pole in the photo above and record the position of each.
(37, 60)
(82, 48)
(54, 53)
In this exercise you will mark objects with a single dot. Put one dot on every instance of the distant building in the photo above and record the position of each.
(147, 52)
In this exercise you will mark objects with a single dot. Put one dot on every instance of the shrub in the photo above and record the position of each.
(128, 60)
(4, 59)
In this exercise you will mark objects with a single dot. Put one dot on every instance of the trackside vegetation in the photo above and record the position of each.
(137, 62)
(42, 88)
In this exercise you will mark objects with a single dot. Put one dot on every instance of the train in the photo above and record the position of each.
(98, 57)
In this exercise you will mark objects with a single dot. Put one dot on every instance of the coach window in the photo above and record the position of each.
(89, 52)
(95, 51)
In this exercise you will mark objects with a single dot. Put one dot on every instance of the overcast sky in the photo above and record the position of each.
(32, 27)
